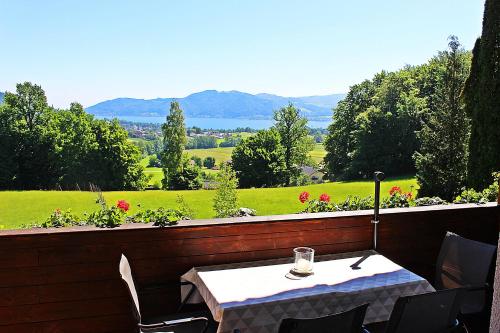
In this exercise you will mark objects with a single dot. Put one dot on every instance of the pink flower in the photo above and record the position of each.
(304, 196)
(324, 197)
(123, 205)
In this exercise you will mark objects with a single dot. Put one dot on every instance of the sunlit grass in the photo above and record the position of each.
(26, 207)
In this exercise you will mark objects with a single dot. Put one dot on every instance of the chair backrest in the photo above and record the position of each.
(126, 275)
(464, 263)
(345, 322)
(432, 312)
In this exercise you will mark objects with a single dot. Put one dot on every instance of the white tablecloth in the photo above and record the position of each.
(256, 296)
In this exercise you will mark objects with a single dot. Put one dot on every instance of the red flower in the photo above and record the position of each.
(304, 196)
(394, 190)
(123, 205)
(409, 195)
(324, 197)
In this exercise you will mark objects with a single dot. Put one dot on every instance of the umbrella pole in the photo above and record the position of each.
(378, 176)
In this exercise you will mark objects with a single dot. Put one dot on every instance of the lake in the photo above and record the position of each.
(220, 123)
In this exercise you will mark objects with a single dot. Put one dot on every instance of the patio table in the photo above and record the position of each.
(256, 296)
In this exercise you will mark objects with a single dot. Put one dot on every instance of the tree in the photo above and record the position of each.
(340, 141)
(115, 163)
(196, 160)
(226, 197)
(186, 176)
(209, 162)
(442, 159)
(30, 115)
(259, 160)
(294, 137)
(174, 140)
(45, 148)
(154, 161)
(481, 96)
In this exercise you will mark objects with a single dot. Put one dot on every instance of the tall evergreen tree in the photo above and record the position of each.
(482, 98)
(442, 158)
(295, 140)
(174, 140)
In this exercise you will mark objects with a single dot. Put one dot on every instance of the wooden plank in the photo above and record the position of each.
(36, 313)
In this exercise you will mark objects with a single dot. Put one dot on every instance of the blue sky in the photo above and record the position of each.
(88, 51)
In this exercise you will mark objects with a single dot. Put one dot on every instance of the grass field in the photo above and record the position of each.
(26, 207)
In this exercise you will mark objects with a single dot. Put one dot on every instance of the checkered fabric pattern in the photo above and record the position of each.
(324, 293)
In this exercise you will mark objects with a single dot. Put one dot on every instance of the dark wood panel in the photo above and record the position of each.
(63, 310)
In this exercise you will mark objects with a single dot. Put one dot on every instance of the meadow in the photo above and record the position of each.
(19, 208)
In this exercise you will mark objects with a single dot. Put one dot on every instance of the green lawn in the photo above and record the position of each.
(26, 207)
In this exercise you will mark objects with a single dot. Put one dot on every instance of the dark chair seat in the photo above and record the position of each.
(434, 312)
(344, 322)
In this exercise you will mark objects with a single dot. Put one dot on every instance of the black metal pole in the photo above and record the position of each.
(378, 176)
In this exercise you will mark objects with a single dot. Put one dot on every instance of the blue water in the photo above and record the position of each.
(220, 123)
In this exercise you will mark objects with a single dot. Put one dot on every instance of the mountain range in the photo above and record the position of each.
(218, 104)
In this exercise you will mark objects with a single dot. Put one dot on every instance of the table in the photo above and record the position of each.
(256, 296)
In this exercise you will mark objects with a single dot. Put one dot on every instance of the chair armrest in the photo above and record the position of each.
(175, 322)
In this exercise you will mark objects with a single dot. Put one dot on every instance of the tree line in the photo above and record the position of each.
(439, 120)
(42, 147)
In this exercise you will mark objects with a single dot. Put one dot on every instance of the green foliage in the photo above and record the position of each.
(481, 96)
(106, 217)
(160, 217)
(226, 200)
(442, 158)
(174, 140)
(196, 160)
(375, 126)
(356, 203)
(44, 148)
(202, 142)
(259, 160)
(429, 201)
(231, 141)
(154, 162)
(209, 162)
(294, 137)
(186, 176)
(489, 194)
(60, 219)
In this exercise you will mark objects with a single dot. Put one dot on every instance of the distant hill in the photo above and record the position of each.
(1, 97)
(218, 104)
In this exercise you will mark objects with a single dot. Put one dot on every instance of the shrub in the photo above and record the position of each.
(356, 203)
(160, 217)
(209, 162)
(430, 201)
(487, 195)
(226, 198)
(60, 219)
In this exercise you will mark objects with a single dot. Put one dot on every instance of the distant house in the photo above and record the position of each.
(315, 175)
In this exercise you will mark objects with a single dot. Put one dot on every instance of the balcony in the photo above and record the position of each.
(67, 280)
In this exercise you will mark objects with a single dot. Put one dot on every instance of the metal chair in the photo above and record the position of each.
(344, 322)
(173, 324)
(465, 263)
(434, 312)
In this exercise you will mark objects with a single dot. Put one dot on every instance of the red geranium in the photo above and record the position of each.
(304, 196)
(324, 197)
(395, 189)
(409, 195)
(123, 205)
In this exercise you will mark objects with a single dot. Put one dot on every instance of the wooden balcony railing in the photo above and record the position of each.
(66, 280)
